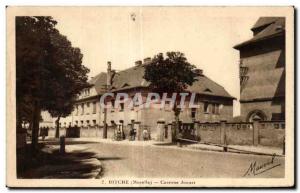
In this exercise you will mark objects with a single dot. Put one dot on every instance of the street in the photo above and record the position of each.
(168, 161)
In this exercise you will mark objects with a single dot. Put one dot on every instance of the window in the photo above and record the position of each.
(213, 106)
(94, 108)
(81, 123)
(193, 113)
(86, 92)
(87, 106)
(88, 122)
(94, 122)
(82, 108)
(217, 109)
(112, 106)
(76, 123)
(167, 106)
(206, 107)
(122, 107)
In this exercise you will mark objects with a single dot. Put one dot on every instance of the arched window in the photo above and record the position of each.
(256, 114)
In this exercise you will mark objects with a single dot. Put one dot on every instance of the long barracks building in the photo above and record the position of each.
(214, 102)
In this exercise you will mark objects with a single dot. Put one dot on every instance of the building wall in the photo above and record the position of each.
(148, 117)
(273, 109)
(266, 71)
(47, 119)
(88, 116)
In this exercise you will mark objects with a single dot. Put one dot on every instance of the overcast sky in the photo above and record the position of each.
(205, 36)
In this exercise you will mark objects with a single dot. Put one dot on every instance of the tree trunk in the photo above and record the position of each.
(105, 124)
(35, 125)
(57, 127)
(19, 123)
(176, 111)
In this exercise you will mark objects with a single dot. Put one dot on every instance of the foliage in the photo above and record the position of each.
(49, 71)
(171, 74)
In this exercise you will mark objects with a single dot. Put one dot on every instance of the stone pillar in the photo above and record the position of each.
(160, 130)
(122, 129)
(197, 130)
(137, 127)
(174, 137)
(170, 134)
(256, 126)
(223, 132)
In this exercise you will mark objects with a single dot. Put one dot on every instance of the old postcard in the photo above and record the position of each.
(150, 96)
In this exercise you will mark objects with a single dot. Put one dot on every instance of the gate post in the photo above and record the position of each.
(170, 135)
(160, 130)
(223, 132)
(137, 127)
(256, 125)
(197, 130)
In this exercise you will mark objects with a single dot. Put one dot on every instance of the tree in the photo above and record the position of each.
(69, 80)
(45, 70)
(32, 41)
(170, 75)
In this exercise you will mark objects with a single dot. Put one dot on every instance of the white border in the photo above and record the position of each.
(91, 3)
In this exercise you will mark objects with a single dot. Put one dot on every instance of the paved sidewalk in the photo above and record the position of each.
(260, 150)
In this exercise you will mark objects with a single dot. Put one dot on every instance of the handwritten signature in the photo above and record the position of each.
(256, 169)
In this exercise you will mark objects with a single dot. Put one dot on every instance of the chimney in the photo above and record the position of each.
(138, 63)
(147, 60)
(108, 77)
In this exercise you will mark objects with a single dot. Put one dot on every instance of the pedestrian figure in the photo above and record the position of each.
(43, 131)
(119, 134)
(145, 135)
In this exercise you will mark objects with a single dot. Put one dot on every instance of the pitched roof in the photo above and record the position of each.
(272, 26)
(264, 21)
(133, 78)
(99, 82)
(206, 86)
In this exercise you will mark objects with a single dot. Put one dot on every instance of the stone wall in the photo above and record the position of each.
(266, 133)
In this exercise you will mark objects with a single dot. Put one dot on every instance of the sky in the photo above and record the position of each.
(124, 35)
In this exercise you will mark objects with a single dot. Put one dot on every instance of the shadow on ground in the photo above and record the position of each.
(164, 144)
(68, 142)
(182, 143)
(47, 162)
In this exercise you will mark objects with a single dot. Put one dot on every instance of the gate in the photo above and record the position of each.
(187, 131)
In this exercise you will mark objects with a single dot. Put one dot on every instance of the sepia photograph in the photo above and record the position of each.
(150, 97)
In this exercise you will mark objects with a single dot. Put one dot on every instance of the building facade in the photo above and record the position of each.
(214, 102)
(262, 71)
